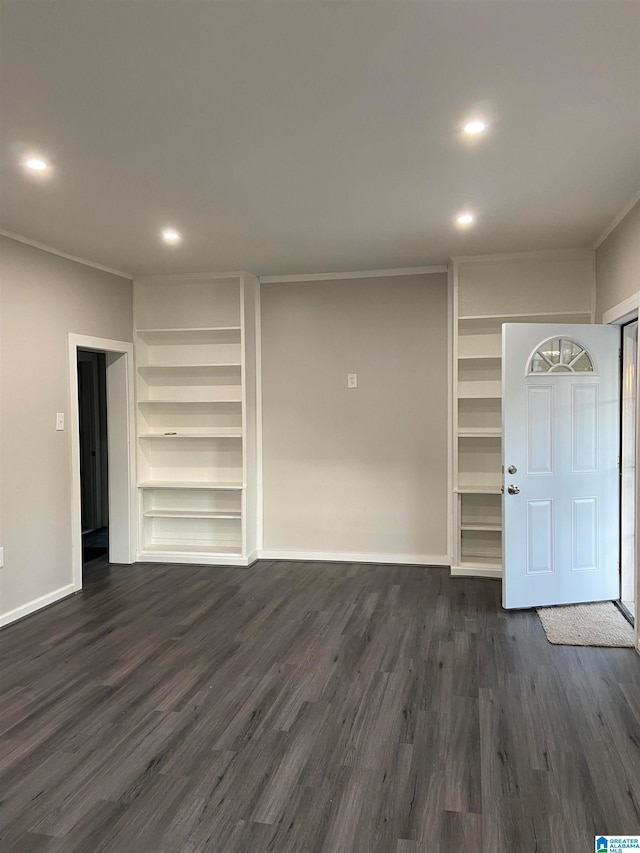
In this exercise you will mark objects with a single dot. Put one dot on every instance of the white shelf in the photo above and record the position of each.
(480, 389)
(189, 484)
(202, 550)
(481, 545)
(478, 356)
(220, 432)
(480, 346)
(192, 513)
(191, 419)
(479, 414)
(196, 417)
(187, 330)
(474, 489)
(227, 394)
(188, 368)
(485, 296)
(174, 401)
(480, 512)
(472, 562)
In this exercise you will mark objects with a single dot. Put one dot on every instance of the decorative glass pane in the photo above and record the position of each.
(538, 364)
(583, 364)
(561, 355)
(551, 350)
(569, 351)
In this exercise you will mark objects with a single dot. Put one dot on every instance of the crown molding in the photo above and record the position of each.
(335, 276)
(50, 249)
(617, 219)
(190, 276)
(539, 255)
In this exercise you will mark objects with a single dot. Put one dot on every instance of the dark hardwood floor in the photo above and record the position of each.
(309, 707)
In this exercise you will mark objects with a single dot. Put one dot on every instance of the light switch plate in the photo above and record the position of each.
(1, 557)
(59, 421)
(352, 380)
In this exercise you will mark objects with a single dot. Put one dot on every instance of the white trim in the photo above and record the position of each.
(36, 604)
(125, 348)
(525, 315)
(191, 559)
(343, 557)
(452, 413)
(469, 572)
(617, 219)
(244, 520)
(334, 276)
(623, 311)
(259, 457)
(190, 276)
(44, 248)
(594, 293)
(538, 255)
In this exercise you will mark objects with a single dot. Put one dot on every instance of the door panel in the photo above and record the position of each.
(584, 428)
(540, 536)
(561, 439)
(585, 534)
(539, 434)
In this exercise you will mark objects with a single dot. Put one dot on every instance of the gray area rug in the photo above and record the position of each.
(586, 625)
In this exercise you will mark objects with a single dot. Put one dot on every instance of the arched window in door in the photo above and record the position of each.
(560, 355)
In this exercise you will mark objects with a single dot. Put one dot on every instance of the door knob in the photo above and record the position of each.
(512, 469)
(513, 490)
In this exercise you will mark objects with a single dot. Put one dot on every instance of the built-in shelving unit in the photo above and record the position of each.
(487, 292)
(195, 345)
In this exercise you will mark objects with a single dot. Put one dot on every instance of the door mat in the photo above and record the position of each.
(586, 625)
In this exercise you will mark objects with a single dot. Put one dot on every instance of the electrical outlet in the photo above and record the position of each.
(352, 380)
(1, 557)
(59, 421)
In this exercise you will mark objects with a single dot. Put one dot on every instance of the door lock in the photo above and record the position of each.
(513, 490)
(512, 469)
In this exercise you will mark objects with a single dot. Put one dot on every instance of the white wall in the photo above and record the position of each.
(618, 264)
(42, 298)
(355, 471)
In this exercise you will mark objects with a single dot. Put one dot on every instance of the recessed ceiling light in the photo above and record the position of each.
(171, 236)
(36, 164)
(465, 219)
(474, 127)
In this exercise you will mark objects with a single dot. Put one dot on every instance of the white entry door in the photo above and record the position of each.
(560, 448)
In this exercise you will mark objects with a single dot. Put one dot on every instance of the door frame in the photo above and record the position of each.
(622, 313)
(120, 444)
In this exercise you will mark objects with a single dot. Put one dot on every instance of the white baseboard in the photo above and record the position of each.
(342, 557)
(473, 572)
(195, 559)
(37, 604)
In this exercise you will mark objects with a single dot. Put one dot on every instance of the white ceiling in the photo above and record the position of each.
(307, 136)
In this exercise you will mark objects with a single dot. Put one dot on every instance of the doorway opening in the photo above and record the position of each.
(103, 505)
(628, 443)
(94, 458)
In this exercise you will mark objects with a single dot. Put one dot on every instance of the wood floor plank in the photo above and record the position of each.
(461, 832)
(309, 708)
